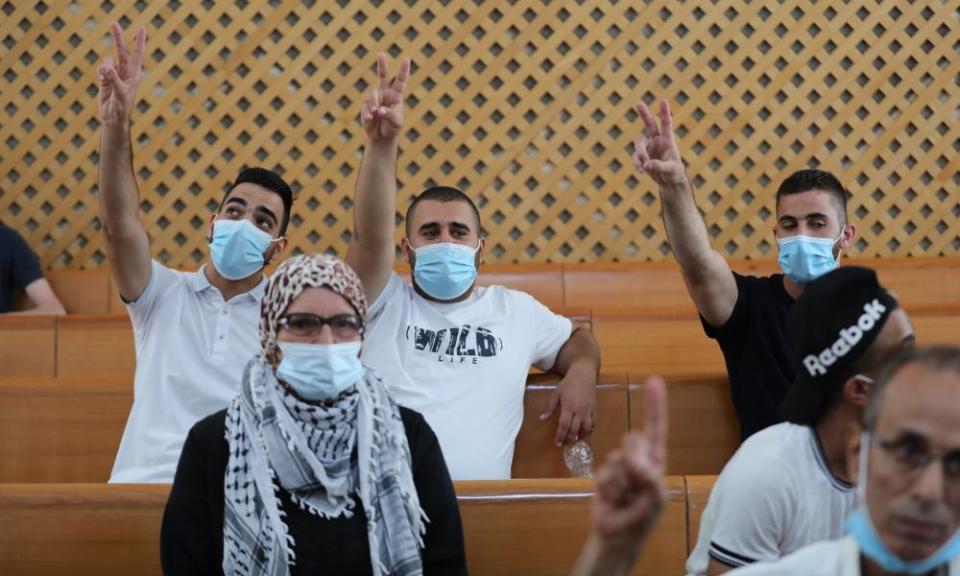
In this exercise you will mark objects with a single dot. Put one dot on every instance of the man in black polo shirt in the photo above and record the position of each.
(747, 315)
(20, 270)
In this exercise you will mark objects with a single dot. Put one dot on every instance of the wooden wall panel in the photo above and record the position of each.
(527, 106)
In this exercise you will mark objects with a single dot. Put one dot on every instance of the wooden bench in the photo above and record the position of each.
(539, 526)
(640, 342)
(95, 346)
(28, 346)
(631, 340)
(702, 429)
(698, 493)
(68, 429)
(80, 291)
(61, 430)
(77, 346)
(536, 455)
(529, 527)
(653, 286)
(659, 287)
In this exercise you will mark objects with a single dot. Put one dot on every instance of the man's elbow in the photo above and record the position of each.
(51, 308)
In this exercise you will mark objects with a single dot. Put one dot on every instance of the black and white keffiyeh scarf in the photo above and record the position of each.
(276, 440)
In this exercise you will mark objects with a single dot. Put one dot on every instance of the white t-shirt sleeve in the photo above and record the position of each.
(753, 507)
(390, 291)
(550, 333)
(828, 558)
(142, 309)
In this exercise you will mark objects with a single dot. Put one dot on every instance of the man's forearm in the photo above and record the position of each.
(580, 351)
(600, 558)
(685, 228)
(376, 197)
(119, 196)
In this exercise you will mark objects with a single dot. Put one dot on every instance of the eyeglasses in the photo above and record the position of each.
(343, 326)
(911, 455)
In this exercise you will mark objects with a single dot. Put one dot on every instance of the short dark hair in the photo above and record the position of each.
(939, 358)
(440, 194)
(271, 181)
(812, 179)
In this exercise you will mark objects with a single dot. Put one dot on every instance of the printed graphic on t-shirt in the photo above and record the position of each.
(462, 345)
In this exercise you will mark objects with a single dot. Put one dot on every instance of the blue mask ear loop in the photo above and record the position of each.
(840, 250)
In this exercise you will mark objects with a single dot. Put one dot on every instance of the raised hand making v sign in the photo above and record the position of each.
(372, 248)
(128, 248)
(382, 111)
(119, 80)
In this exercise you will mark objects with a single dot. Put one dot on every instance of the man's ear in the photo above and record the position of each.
(481, 250)
(406, 249)
(849, 233)
(277, 248)
(210, 221)
(856, 389)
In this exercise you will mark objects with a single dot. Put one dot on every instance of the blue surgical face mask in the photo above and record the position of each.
(445, 271)
(319, 372)
(860, 526)
(237, 248)
(805, 258)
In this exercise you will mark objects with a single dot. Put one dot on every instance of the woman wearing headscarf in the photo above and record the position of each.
(313, 468)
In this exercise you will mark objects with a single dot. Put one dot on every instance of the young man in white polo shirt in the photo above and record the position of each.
(456, 353)
(788, 485)
(908, 517)
(194, 332)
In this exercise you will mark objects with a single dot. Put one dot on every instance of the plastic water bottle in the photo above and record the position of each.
(579, 459)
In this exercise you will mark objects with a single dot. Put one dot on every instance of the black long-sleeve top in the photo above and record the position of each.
(191, 539)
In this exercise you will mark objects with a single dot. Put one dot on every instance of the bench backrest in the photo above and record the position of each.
(918, 282)
(528, 527)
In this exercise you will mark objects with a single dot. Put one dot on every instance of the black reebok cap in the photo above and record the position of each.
(829, 327)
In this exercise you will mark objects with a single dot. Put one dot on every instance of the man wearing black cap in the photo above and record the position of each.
(789, 485)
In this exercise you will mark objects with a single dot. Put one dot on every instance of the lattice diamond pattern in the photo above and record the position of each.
(526, 104)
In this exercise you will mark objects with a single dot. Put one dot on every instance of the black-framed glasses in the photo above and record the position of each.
(911, 454)
(343, 326)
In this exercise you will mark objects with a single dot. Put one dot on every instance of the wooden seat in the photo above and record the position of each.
(650, 286)
(537, 527)
(634, 341)
(542, 281)
(698, 493)
(28, 346)
(81, 529)
(61, 430)
(529, 527)
(100, 346)
(76, 424)
(937, 328)
(536, 455)
(659, 287)
(703, 432)
(647, 286)
(80, 291)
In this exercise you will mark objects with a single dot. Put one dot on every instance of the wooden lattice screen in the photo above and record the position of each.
(526, 104)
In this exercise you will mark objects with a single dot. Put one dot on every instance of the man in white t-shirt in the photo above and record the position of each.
(195, 331)
(908, 520)
(789, 484)
(457, 353)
